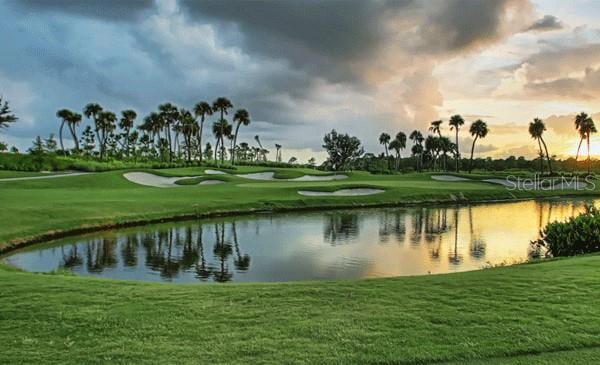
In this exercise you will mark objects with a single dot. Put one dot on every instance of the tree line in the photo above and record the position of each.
(433, 152)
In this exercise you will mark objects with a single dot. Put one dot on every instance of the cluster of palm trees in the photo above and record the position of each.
(169, 133)
(435, 148)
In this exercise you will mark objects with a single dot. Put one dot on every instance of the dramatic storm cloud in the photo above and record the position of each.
(301, 67)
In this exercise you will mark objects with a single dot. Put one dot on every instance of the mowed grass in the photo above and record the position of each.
(533, 313)
(36, 207)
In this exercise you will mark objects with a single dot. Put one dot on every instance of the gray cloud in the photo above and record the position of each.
(105, 9)
(545, 24)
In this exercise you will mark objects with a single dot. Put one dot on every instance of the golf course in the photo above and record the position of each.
(540, 312)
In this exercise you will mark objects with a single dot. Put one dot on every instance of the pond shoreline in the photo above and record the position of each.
(23, 242)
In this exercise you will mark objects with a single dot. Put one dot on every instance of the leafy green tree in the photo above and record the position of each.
(456, 122)
(3, 147)
(342, 149)
(88, 141)
(50, 143)
(38, 146)
(208, 152)
(478, 129)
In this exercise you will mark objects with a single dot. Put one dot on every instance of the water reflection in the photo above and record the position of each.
(337, 244)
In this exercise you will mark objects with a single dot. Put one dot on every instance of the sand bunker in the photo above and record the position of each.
(270, 176)
(214, 172)
(342, 192)
(144, 178)
(449, 178)
(211, 182)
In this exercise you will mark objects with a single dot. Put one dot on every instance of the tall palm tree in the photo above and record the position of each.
(126, 123)
(91, 111)
(189, 128)
(202, 110)
(587, 128)
(277, 152)
(445, 146)
(435, 127)
(241, 116)
(222, 105)
(478, 129)
(261, 149)
(536, 130)
(432, 146)
(169, 115)
(456, 121)
(221, 129)
(106, 123)
(73, 123)
(65, 116)
(417, 138)
(580, 120)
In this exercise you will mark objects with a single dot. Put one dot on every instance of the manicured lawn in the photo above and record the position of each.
(512, 315)
(535, 313)
(9, 174)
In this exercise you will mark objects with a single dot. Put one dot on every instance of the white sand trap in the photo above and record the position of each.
(449, 178)
(214, 172)
(44, 177)
(211, 182)
(270, 176)
(259, 176)
(144, 178)
(320, 178)
(341, 192)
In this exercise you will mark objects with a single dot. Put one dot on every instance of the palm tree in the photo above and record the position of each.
(384, 139)
(261, 149)
(399, 144)
(91, 111)
(580, 120)
(435, 127)
(202, 110)
(445, 146)
(587, 128)
(106, 124)
(536, 130)
(478, 130)
(456, 121)
(126, 123)
(222, 105)
(221, 129)
(432, 146)
(65, 116)
(72, 120)
(169, 115)
(277, 152)
(241, 116)
(417, 138)
(189, 128)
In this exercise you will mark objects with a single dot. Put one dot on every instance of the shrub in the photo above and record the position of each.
(578, 235)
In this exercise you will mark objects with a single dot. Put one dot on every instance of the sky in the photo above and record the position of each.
(304, 67)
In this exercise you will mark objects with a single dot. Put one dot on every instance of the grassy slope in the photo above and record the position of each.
(39, 206)
(512, 315)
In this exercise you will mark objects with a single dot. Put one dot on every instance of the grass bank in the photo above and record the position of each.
(532, 313)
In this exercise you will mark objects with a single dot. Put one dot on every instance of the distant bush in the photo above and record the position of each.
(576, 236)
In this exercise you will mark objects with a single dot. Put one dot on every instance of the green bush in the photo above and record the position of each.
(576, 236)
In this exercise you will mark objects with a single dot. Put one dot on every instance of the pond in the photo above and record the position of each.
(340, 244)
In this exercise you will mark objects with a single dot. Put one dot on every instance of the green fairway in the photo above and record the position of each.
(36, 207)
(545, 313)
(510, 315)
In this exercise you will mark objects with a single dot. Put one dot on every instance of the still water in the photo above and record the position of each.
(341, 244)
